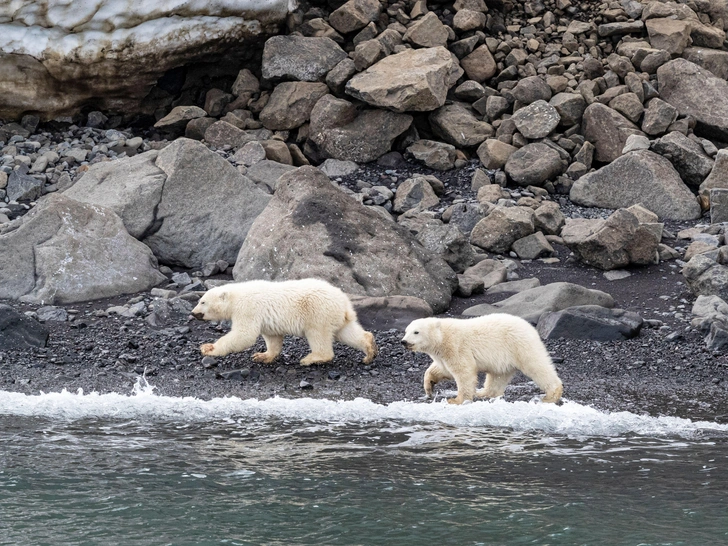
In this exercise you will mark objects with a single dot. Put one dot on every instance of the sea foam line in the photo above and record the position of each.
(570, 418)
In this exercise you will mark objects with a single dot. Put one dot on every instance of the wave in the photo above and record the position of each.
(570, 418)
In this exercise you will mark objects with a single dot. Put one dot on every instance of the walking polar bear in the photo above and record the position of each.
(497, 344)
(309, 308)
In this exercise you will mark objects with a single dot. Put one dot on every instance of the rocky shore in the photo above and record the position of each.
(565, 163)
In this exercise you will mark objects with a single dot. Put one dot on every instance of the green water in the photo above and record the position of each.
(266, 479)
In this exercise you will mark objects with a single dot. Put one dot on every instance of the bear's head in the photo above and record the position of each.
(423, 335)
(213, 305)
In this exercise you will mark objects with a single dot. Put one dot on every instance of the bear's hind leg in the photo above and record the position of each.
(495, 385)
(545, 376)
(322, 347)
(273, 347)
(353, 335)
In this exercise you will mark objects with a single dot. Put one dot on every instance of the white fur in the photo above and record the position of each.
(497, 344)
(309, 308)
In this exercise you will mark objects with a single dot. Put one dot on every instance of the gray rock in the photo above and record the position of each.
(466, 215)
(531, 89)
(20, 332)
(718, 177)
(494, 153)
(716, 61)
(608, 130)
(658, 117)
(569, 106)
(536, 120)
(339, 131)
(634, 143)
(718, 205)
(717, 338)
(456, 124)
(669, 34)
(613, 243)
(489, 272)
(696, 92)
(448, 242)
(534, 164)
(179, 116)
(413, 80)
(686, 155)
(532, 304)
(63, 251)
(312, 229)
(548, 218)
(532, 246)
(514, 287)
(590, 322)
(386, 312)
(415, 192)
(266, 174)
(166, 312)
(51, 312)
(467, 286)
(479, 65)
(638, 177)
(502, 227)
(170, 200)
(300, 58)
(334, 168)
(629, 105)
(22, 187)
(436, 155)
(290, 105)
(354, 15)
(427, 32)
(250, 154)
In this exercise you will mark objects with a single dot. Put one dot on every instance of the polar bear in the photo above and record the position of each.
(309, 308)
(497, 344)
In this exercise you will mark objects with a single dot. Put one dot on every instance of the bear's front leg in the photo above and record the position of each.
(465, 374)
(434, 374)
(232, 342)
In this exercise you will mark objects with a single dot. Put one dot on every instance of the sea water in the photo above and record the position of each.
(143, 469)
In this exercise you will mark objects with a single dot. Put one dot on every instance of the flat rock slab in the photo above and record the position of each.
(590, 322)
(300, 58)
(384, 313)
(531, 304)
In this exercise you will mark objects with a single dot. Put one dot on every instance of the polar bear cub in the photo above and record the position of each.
(309, 308)
(497, 344)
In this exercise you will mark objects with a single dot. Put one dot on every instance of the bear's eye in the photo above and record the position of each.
(416, 332)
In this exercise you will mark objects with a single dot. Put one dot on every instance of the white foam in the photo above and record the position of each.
(570, 419)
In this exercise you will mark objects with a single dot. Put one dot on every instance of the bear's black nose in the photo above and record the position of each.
(406, 343)
(198, 315)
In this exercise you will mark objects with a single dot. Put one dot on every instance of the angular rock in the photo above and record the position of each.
(548, 218)
(18, 331)
(414, 80)
(658, 117)
(686, 155)
(448, 242)
(532, 247)
(706, 277)
(312, 229)
(531, 89)
(489, 272)
(534, 164)
(531, 304)
(266, 173)
(590, 322)
(479, 65)
(179, 116)
(456, 124)
(354, 15)
(629, 105)
(638, 177)
(465, 216)
(536, 120)
(23, 187)
(502, 227)
(608, 130)
(494, 154)
(436, 155)
(669, 34)
(716, 61)
(63, 251)
(514, 287)
(170, 200)
(427, 32)
(340, 131)
(300, 58)
(718, 177)
(415, 192)
(613, 243)
(290, 105)
(569, 106)
(696, 92)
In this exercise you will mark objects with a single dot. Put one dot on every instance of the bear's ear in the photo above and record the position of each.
(223, 296)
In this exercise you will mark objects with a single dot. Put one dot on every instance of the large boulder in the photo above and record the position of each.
(706, 277)
(638, 177)
(312, 229)
(300, 58)
(170, 200)
(531, 304)
(339, 130)
(608, 130)
(502, 227)
(56, 56)
(696, 92)
(616, 242)
(64, 251)
(413, 80)
(590, 322)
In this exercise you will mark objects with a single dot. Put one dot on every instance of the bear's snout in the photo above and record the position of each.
(198, 315)
(407, 344)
